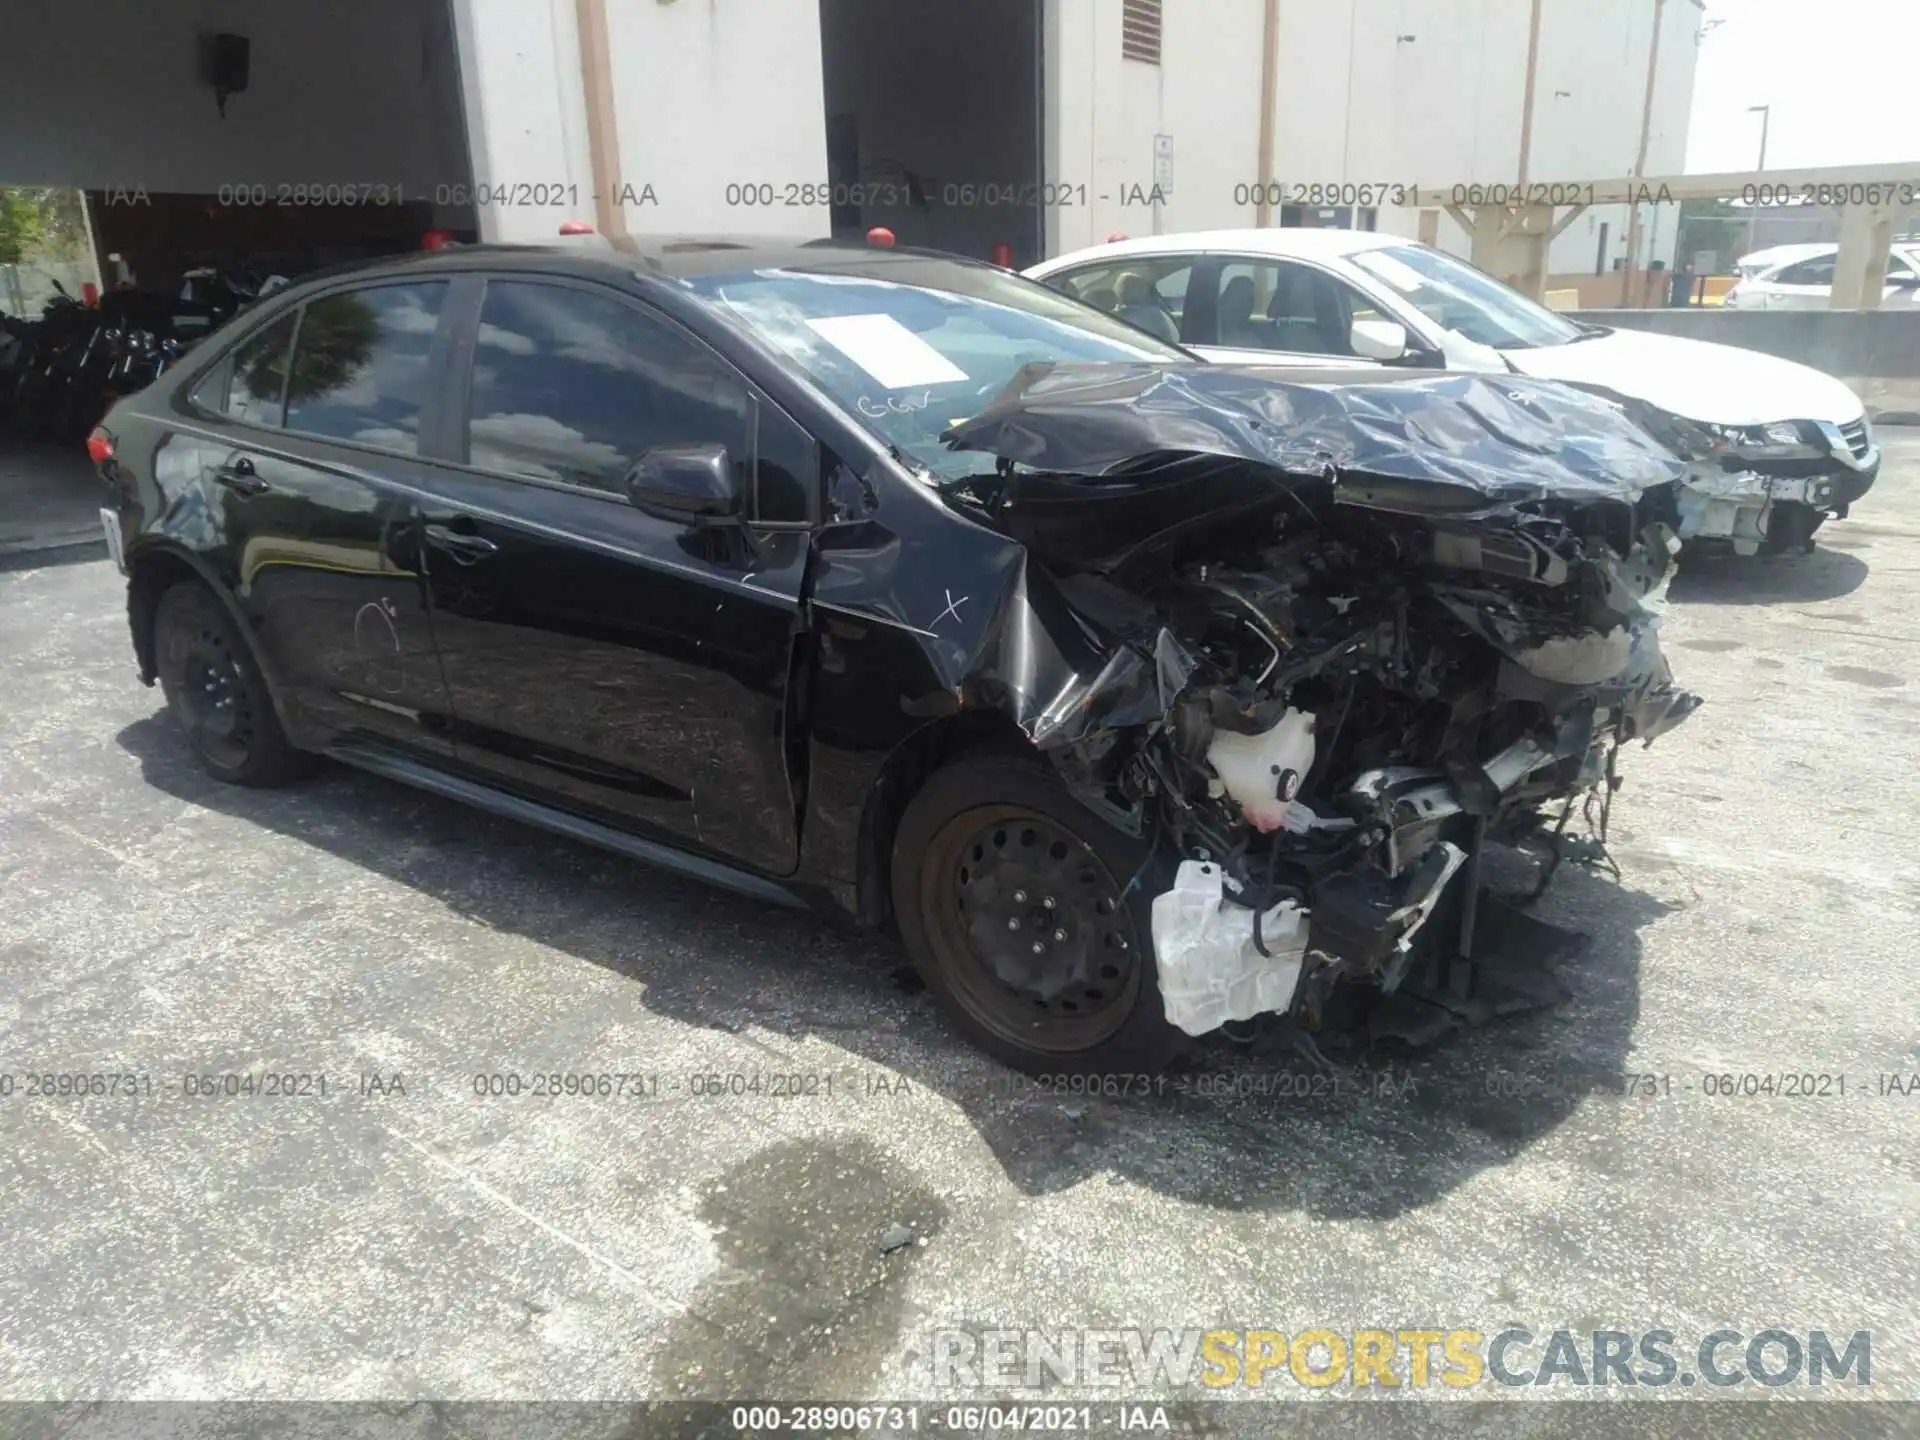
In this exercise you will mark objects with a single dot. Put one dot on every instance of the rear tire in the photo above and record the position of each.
(217, 693)
(1012, 900)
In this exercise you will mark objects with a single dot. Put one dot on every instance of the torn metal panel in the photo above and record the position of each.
(1466, 440)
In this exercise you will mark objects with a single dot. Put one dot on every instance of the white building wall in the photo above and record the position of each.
(525, 114)
(1103, 112)
(707, 93)
(713, 92)
(1368, 91)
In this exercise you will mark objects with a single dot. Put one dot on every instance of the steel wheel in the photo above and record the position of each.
(217, 693)
(1028, 920)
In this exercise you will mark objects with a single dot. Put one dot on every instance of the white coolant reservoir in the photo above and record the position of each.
(1263, 772)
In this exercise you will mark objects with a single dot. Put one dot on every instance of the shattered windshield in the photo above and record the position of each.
(1467, 301)
(911, 357)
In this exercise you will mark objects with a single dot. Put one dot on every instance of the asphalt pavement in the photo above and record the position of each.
(410, 1234)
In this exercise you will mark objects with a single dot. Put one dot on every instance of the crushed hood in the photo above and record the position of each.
(1697, 379)
(1478, 440)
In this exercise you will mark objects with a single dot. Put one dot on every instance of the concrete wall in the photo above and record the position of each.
(106, 95)
(1104, 111)
(1877, 352)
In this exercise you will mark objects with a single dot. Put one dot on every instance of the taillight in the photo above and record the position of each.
(99, 445)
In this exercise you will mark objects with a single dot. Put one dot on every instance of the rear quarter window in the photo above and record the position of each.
(250, 384)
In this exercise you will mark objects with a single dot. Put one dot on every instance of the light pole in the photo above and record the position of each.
(1766, 118)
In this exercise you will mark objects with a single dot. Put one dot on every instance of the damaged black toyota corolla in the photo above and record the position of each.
(1145, 696)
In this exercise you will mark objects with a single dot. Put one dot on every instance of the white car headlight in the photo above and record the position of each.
(1776, 440)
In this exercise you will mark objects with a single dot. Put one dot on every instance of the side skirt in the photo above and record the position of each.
(532, 812)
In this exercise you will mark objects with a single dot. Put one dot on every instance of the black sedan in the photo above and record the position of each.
(898, 584)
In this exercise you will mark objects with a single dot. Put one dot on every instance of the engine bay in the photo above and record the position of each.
(1318, 693)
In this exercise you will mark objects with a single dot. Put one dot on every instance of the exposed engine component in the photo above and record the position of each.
(1329, 668)
(1262, 773)
(1219, 960)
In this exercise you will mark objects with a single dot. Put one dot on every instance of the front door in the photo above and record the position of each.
(1276, 311)
(620, 665)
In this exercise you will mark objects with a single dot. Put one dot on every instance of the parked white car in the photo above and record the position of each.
(1800, 277)
(1761, 261)
(1775, 447)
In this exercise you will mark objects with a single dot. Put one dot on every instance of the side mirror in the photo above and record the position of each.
(1378, 339)
(689, 483)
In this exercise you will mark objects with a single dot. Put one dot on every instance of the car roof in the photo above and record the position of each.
(662, 257)
(1287, 242)
(1773, 255)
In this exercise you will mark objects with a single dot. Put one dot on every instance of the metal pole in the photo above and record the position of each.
(1526, 103)
(603, 117)
(1753, 213)
(1269, 78)
(1640, 159)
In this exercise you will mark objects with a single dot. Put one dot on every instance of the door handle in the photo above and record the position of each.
(461, 546)
(241, 478)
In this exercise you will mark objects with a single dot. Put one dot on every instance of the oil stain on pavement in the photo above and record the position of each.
(816, 1238)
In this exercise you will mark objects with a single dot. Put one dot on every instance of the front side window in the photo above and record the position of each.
(1149, 293)
(572, 386)
(361, 365)
(1469, 302)
(1295, 309)
(1818, 271)
(255, 377)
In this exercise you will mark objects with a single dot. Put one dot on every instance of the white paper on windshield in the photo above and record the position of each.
(887, 350)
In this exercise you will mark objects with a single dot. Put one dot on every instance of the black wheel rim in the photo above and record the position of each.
(213, 698)
(1030, 926)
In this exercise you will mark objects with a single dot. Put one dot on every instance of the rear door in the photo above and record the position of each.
(622, 666)
(316, 425)
(1803, 285)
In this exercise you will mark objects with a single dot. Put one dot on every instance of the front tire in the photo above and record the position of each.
(217, 693)
(1014, 903)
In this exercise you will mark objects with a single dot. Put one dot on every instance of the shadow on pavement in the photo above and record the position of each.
(71, 551)
(1251, 1128)
(1828, 573)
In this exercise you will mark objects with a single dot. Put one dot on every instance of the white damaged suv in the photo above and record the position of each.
(1774, 448)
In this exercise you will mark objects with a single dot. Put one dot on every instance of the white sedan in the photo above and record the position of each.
(1804, 280)
(1776, 447)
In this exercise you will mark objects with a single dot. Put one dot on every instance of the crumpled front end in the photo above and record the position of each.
(1762, 487)
(1331, 639)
